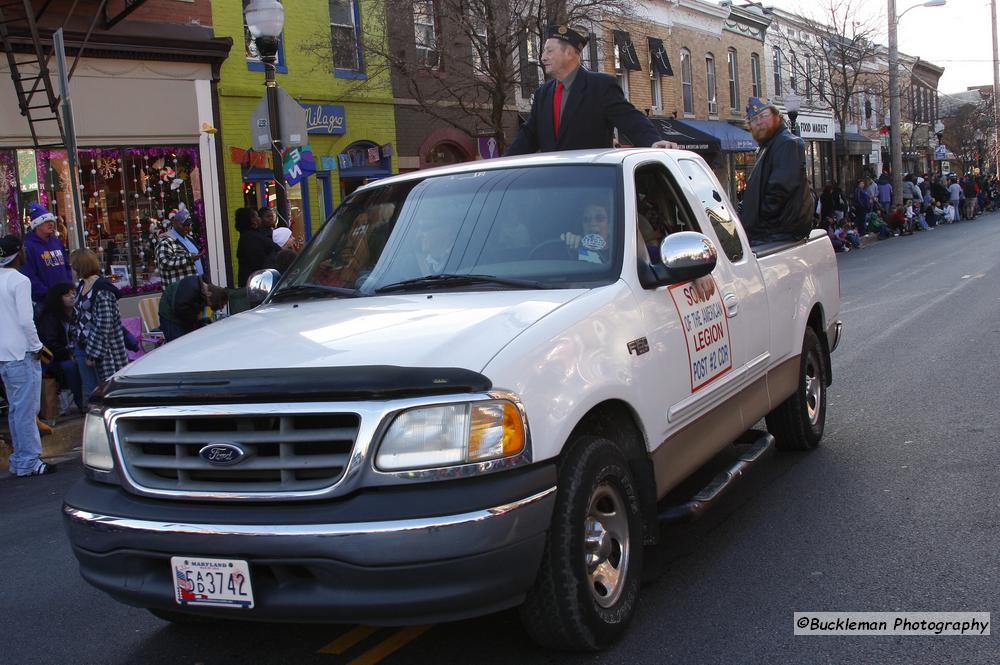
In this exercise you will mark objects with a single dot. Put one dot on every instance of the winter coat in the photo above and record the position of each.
(254, 252)
(46, 263)
(97, 327)
(777, 198)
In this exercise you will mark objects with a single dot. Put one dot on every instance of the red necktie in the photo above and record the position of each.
(556, 107)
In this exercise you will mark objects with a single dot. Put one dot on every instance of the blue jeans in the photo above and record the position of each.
(88, 375)
(23, 381)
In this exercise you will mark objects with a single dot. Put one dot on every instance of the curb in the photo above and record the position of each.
(67, 438)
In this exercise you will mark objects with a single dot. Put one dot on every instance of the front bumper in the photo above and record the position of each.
(379, 571)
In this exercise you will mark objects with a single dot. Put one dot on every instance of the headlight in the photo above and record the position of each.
(452, 434)
(96, 444)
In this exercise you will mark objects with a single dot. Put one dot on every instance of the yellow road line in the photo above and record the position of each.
(396, 641)
(348, 639)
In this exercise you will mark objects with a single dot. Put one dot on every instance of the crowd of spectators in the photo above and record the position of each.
(927, 201)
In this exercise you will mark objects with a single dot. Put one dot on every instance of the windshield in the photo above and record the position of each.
(533, 227)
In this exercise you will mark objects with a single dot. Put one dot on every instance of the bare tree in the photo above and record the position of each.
(837, 64)
(461, 61)
(967, 131)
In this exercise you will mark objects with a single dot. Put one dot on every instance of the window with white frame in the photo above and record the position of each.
(687, 90)
(533, 48)
(734, 81)
(809, 78)
(755, 75)
(425, 33)
(655, 89)
(793, 74)
(344, 35)
(588, 56)
(713, 104)
(620, 73)
(777, 63)
(250, 47)
(480, 37)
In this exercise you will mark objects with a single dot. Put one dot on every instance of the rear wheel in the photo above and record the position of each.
(588, 584)
(798, 422)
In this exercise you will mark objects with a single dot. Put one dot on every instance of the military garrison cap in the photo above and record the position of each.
(572, 37)
(755, 105)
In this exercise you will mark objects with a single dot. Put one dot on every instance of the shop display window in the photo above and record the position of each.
(125, 192)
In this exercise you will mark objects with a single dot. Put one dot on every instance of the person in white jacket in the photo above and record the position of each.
(20, 368)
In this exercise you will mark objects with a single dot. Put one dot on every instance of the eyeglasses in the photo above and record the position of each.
(763, 115)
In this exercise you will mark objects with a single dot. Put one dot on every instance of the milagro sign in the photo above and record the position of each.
(325, 119)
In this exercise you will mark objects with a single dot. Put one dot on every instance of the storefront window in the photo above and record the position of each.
(8, 194)
(743, 163)
(125, 193)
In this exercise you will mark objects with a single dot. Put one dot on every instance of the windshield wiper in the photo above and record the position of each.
(457, 280)
(313, 291)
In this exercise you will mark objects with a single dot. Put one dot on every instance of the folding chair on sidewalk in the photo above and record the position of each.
(149, 310)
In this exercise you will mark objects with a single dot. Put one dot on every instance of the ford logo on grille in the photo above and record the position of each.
(223, 454)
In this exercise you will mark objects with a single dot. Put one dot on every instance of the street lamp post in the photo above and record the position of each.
(793, 103)
(895, 140)
(265, 20)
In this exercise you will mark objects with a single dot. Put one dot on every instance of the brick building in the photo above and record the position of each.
(698, 63)
(794, 72)
(441, 87)
(140, 91)
(344, 93)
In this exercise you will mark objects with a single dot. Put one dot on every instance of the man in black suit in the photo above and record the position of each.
(577, 109)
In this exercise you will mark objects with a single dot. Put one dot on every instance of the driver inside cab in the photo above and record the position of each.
(594, 242)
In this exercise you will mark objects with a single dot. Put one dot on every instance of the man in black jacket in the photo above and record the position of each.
(777, 203)
(578, 109)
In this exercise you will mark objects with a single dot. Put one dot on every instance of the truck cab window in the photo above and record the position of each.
(723, 220)
(659, 213)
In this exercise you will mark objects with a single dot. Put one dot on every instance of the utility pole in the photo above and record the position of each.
(895, 140)
(996, 90)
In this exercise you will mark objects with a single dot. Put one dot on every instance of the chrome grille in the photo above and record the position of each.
(289, 453)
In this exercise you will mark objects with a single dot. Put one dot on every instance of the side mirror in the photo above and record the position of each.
(685, 255)
(260, 284)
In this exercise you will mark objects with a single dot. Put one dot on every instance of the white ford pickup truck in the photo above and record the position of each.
(471, 391)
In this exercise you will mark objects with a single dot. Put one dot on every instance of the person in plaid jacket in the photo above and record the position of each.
(96, 330)
(177, 256)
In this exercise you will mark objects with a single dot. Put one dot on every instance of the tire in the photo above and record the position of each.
(798, 422)
(587, 588)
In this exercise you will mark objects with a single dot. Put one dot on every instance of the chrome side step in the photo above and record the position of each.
(761, 447)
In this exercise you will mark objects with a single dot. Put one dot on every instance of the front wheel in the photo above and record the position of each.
(588, 583)
(798, 422)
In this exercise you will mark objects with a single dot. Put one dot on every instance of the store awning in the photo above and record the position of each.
(688, 138)
(731, 138)
(857, 144)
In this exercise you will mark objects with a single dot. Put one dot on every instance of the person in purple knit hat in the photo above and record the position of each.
(46, 261)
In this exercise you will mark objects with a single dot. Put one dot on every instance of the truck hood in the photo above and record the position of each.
(410, 330)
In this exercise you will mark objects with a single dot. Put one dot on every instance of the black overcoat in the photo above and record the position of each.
(594, 107)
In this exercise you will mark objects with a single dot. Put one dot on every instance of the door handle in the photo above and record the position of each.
(732, 304)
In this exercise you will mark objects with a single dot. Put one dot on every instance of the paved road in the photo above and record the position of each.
(897, 510)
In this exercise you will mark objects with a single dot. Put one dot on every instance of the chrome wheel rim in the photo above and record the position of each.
(814, 389)
(606, 545)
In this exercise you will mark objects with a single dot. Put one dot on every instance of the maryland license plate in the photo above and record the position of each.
(216, 582)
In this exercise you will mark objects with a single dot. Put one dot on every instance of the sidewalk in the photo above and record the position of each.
(64, 441)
